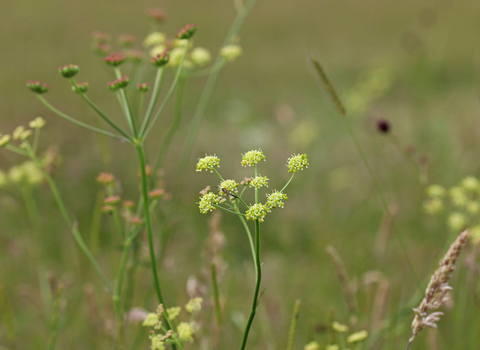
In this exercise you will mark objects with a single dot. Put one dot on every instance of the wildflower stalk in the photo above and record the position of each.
(147, 125)
(148, 224)
(293, 325)
(341, 110)
(207, 92)
(157, 85)
(174, 127)
(258, 271)
(216, 298)
(55, 317)
(126, 105)
(82, 124)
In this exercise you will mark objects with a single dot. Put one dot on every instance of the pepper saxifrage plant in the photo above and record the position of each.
(176, 54)
(256, 212)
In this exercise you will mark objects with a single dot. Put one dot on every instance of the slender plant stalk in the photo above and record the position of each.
(55, 317)
(100, 113)
(293, 325)
(148, 224)
(216, 298)
(157, 85)
(174, 127)
(258, 271)
(7, 317)
(341, 109)
(147, 125)
(79, 123)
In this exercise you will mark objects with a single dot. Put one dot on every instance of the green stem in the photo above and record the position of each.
(157, 85)
(288, 182)
(173, 128)
(207, 92)
(228, 210)
(147, 125)
(79, 123)
(73, 226)
(258, 270)
(55, 317)
(118, 291)
(126, 105)
(101, 114)
(216, 298)
(30, 204)
(148, 224)
(293, 325)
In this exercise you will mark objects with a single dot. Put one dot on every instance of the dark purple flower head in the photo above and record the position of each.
(383, 126)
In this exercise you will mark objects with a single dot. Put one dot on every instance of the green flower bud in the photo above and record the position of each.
(37, 87)
(115, 59)
(4, 140)
(119, 84)
(143, 87)
(69, 70)
(81, 87)
(37, 123)
(161, 59)
(187, 31)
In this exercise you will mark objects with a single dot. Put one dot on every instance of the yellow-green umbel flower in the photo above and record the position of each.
(154, 39)
(157, 343)
(473, 207)
(458, 196)
(200, 56)
(297, 162)
(252, 157)
(173, 312)
(259, 182)
(4, 140)
(185, 331)
(37, 123)
(433, 205)
(18, 132)
(230, 52)
(470, 183)
(207, 202)
(436, 191)
(340, 328)
(151, 320)
(228, 185)
(313, 345)
(457, 221)
(276, 199)
(332, 347)
(176, 57)
(207, 163)
(256, 212)
(357, 337)
(194, 304)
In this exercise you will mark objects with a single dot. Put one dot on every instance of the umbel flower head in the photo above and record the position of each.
(252, 157)
(37, 87)
(259, 182)
(119, 84)
(297, 162)
(276, 199)
(228, 186)
(80, 87)
(115, 59)
(161, 59)
(207, 163)
(68, 71)
(187, 31)
(256, 212)
(230, 52)
(207, 202)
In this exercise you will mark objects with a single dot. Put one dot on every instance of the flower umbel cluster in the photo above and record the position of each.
(160, 336)
(461, 202)
(209, 201)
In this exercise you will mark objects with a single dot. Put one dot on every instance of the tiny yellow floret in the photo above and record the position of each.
(340, 328)
(357, 337)
(297, 162)
(313, 345)
(185, 331)
(194, 304)
(252, 157)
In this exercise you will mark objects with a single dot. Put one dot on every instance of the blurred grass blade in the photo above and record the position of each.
(293, 325)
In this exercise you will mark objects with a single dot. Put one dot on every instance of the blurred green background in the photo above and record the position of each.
(414, 63)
